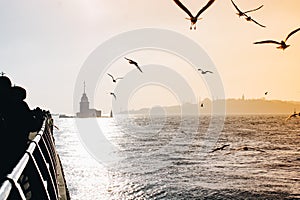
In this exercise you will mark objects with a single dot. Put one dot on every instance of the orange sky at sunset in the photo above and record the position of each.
(52, 39)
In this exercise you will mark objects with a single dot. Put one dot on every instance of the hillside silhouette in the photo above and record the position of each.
(233, 106)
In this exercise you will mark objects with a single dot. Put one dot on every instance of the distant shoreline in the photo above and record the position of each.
(232, 107)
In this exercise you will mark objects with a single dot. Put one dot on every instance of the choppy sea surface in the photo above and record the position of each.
(163, 158)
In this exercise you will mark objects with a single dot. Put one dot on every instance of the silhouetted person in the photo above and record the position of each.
(5, 86)
(21, 112)
(5, 89)
(18, 122)
(38, 119)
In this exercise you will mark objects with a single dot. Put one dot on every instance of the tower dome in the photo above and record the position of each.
(84, 98)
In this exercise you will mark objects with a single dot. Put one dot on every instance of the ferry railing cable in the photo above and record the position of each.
(46, 145)
(35, 175)
(47, 156)
(45, 169)
(49, 141)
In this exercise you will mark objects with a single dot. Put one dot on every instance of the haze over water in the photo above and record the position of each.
(45, 39)
(46, 44)
(268, 168)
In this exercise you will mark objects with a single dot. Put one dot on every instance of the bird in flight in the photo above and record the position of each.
(266, 93)
(241, 13)
(293, 115)
(205, 72)
(192, 18)
(282, 44)
(248, 18)
(113, 79)
(220, 148)
(114, 95)
(134, 63)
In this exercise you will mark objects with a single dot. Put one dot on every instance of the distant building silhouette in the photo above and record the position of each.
(85, 111)
(233, 106)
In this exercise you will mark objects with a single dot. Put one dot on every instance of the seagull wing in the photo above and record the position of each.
(267, 41)
(209, 72)
(298, 29)
(119, 78)
(183, 8)
(205, 7)
(236, 7)
(258, 23)
(139, 68)
(254, 9)
(110, 76)
(127, 59)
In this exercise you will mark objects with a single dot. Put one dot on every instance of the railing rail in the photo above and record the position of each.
(35, 176)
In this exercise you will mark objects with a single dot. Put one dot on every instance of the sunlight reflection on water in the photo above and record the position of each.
(268, 169)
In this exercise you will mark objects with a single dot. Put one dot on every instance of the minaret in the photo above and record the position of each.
(84, 103)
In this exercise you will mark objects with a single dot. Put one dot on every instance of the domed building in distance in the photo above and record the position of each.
(85, 111)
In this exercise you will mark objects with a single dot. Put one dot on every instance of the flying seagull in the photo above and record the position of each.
(113, 94)
(293, 115)
(113, 79)
(220, 148)
(134, 63)
(205, 72)
(192, 18)
(241, 13)
(246, 148)
(282, 44)
(266, 93)
(248, 18)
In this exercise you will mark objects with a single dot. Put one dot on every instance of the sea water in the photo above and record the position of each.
(164, 158)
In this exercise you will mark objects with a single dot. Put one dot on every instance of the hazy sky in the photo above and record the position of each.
(45, 42)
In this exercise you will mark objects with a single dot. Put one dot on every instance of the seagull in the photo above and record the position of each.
(113, 79)
(246, 148)
(220, 148)
(266, 93)
(205, 72)
(282, 44)
(248, 18)
(240, 13)
(192, 18)
(134, 63)
(113, 94)
(293, 115)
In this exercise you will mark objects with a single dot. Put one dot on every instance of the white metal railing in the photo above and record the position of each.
(35, 175)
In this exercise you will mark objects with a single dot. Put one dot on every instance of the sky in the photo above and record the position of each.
(44, 44)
